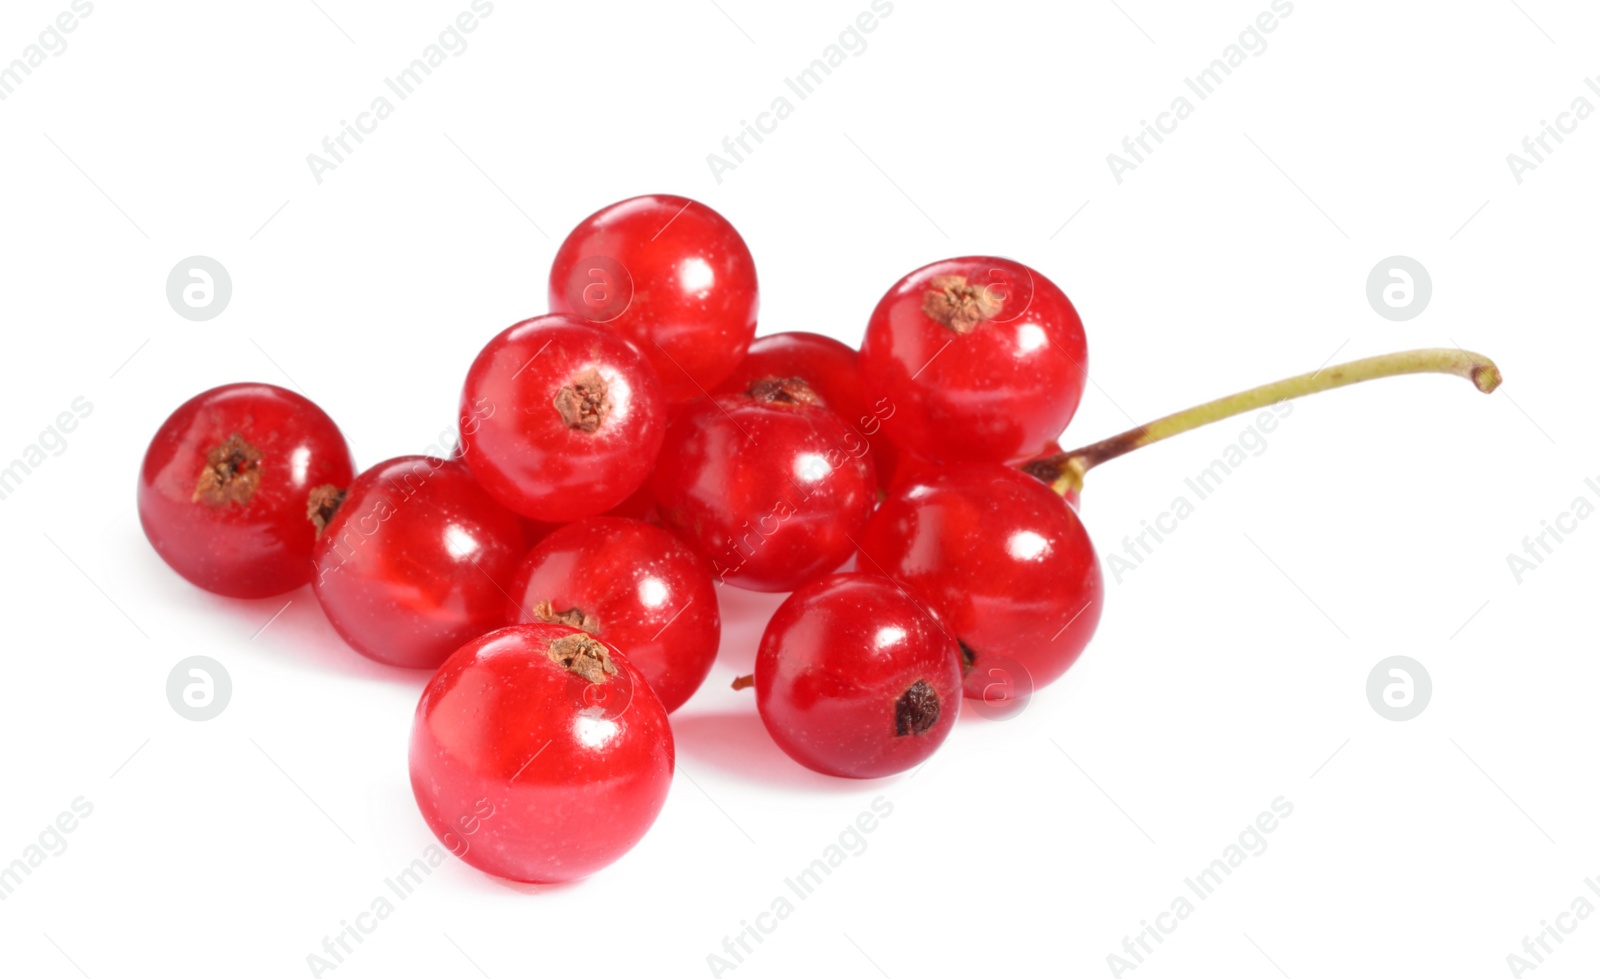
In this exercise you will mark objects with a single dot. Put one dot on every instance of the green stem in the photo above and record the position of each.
(1065, 471)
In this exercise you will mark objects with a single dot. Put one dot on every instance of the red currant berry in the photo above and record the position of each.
(854, 678)
(561, 419)
(670, 274)
(771, 487)
(832, 370)
(534, 531)
(226, 490)
(640, 506)
(827, 366)
(548, 745)
(415, 560)
(910, 468)
(981, 359)
(635, 586)
(1002, 560)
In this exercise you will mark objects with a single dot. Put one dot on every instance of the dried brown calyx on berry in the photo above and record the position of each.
(321, 504)
(584, 402)
(782, 391)
(959, 305)
(583, 655)
(232, 473)
(546, 612)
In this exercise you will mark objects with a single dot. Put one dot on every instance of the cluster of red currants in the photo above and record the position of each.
(623, 455)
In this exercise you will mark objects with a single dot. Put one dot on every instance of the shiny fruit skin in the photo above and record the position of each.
(640, 506)
(416, 561)
(247, 534)
(910, 469)
(855, 678)
(833, 370)
(772, 494)
(556, 776)
(1003, 560)
(997, 392)
(635, 586)
(828, 366)
(546, 462)
(671, 275)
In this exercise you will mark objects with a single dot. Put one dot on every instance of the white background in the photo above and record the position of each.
(1229, 668)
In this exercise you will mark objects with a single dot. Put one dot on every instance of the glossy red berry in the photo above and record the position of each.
(635, 586)
(226, 489)
(832, 370)
(538, 754)
(534, 531)
(670, 274)
(826, 365)
(640, 506)
(771, 487)
(981, 359)
(855, 678)
(561, 419)
(415, 560)
(1005, 563)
